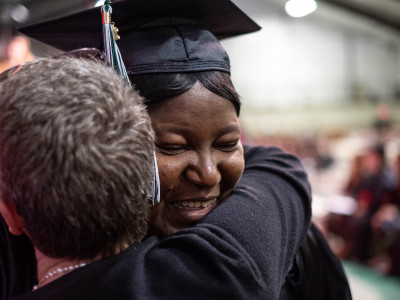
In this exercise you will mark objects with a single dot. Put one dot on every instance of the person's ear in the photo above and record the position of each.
(12, 218)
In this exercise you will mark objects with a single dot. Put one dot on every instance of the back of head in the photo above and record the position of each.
(75, 156)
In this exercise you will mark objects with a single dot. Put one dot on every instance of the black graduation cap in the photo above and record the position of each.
(157, 36)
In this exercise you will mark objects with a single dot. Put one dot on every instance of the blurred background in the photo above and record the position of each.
(322, 81)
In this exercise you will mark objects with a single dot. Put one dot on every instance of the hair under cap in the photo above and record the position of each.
(157, 36)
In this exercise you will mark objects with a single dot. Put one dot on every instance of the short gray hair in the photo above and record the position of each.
(76, 154)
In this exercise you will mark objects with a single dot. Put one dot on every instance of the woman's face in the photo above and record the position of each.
(199, 156)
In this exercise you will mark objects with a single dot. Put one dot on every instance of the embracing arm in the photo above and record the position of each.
(243, 249)
(269, 212)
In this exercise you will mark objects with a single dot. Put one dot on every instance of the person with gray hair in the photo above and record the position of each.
(75, 160)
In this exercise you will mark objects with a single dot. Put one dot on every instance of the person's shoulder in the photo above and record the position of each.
(277, 161)
(208, 249)
(269, 153)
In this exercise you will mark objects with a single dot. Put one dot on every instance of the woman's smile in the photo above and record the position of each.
(189, 211)
(194, 204)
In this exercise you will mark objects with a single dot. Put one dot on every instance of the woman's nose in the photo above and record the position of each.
(203, 171)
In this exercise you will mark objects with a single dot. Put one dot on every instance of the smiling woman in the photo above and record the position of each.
(199, 154)
(195, 116)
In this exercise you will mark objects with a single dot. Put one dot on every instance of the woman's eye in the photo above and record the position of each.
(227, 147)
(171, 149)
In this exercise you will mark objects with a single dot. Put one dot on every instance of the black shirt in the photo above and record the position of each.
(17, 263)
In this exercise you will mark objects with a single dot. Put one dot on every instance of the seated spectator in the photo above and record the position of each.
(386, 230)
(371, 184)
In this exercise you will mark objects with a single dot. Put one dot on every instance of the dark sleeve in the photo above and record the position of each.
(269, 212)
(316, 272)
(243, 249)
(17, 263)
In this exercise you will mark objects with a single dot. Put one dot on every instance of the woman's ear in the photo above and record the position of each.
(12, 218)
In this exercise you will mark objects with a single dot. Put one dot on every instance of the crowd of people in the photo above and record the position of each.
(367, 180)
(371, 233)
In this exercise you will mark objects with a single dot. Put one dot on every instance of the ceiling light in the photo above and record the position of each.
(19, 13)
(300, 8)
(99, 3)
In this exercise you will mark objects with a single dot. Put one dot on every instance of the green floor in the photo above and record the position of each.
(367, 284)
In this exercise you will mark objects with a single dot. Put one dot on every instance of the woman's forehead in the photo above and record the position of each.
(198, 101)
(197, 110)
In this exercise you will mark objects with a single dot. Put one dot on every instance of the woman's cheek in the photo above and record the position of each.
(231, 176)
(170, 169)
(237, 166)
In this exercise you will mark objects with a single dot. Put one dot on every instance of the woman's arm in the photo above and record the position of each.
(269, 212)
(244, 247)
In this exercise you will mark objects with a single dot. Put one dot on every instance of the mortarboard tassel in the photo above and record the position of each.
(113, 56)
(155, 199)
(110, 35)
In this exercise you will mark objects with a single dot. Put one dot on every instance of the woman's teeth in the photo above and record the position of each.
(193, 204)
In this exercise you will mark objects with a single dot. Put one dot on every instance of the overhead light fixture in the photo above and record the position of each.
(99, 3)
(300, 8)
(20, 13)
